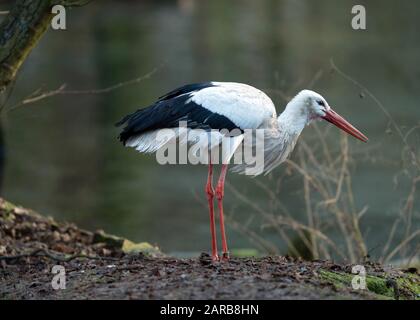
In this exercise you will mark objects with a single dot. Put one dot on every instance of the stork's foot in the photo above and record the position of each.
(215, 258)
(225, 256)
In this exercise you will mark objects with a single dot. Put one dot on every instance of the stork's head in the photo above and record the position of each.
(313, 106)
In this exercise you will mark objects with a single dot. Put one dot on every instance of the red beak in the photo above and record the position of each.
(343, 124)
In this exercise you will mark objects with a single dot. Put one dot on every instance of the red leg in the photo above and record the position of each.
(220, 190)
(210, 196)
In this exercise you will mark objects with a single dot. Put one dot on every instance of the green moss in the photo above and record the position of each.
(245, 253)
(125, 245)
(410, 282)
(6, 205)
(7, 211)
(144, 247)
(339, 280)
(407, 285)
(113, 241)
(379, 286)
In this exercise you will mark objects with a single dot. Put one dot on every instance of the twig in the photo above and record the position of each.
(316, 77)
(401, 245)
(295, 225)
(390, 237)
(414, 254)
(372, 96)
(61, 90)
(308, 205)
(263, 244)
(280, 93)
(7, 94)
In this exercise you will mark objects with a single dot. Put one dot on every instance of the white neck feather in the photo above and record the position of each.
(280, 137)
(294, 117)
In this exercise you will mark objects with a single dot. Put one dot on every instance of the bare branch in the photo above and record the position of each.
(21, 30)
(37, 96)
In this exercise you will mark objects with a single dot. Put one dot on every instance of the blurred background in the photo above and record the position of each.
(62, 154)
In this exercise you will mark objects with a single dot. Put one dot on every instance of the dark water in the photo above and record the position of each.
(63, 158)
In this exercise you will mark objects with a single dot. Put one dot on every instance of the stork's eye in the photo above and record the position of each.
(321, 103)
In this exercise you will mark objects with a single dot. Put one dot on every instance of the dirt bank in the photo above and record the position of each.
(98, 265)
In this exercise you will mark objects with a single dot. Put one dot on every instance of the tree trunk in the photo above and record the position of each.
(21, 30)
(19, 33)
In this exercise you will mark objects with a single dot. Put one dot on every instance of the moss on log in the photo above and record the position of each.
(23, 231)
(402, 286)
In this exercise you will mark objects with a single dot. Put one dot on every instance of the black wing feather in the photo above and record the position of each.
(189, 88)
(169, 110)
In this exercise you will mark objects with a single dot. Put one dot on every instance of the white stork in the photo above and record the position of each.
(213, 106)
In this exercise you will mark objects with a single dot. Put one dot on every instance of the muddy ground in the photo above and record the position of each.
(101, 266)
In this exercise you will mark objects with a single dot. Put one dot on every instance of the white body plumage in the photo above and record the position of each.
(216, 110)
(213, 106)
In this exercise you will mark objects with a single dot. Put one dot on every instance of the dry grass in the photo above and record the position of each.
(327, 192)
(329, 200)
